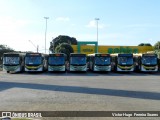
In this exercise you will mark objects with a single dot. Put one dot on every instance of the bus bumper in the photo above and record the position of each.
(149, 69)
(78, 68)
(56, 68)
(102, 68)
(34, 70)
(11, 68)
(125, 70)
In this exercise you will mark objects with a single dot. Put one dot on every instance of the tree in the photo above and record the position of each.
(4, 49)
(62, 39)
(157, 46)
(144, 44)
(64, 48)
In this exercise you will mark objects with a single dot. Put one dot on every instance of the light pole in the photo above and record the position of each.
(97, 32)
(34, 45)
(46, 31)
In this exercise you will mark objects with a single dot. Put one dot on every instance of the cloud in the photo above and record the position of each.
(64, 19)
(10, 24)
(93, 24)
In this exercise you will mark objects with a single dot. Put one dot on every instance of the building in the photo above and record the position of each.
(91, 47)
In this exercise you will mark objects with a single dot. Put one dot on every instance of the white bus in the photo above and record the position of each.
(99, 62)
(146, 62)
(56, 62)
(35, 62)
(13, 62)
(123, 62)
(78, 62)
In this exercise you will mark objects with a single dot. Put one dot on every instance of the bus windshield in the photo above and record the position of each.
(36, 60)
(78, 60)
(149, 60)
(11, 60)
(125, 60)
(102, 60)
(56, 60)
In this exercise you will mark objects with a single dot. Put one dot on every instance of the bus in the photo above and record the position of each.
(146, 62)
(99, 62)
(78, 62)
(35, 62)
(56, 62)
(123, 62)
(13, 62)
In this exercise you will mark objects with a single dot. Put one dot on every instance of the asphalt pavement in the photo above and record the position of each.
(80, 92)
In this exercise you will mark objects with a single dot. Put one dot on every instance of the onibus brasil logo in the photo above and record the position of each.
(21, 115)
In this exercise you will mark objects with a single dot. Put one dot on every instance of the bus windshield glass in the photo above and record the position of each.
(125, 60)
(33, 60)
(11, 60)
(102, 60)
(78, 60)
(56, 60)
(149, 60)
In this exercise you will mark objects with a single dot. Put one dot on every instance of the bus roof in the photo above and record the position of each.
(77, 54)
(14, 54)
(11, 55)
(99, 54)
(57, 54)
(149, 54)
(125, 55)
(145, 54)
(33, 54)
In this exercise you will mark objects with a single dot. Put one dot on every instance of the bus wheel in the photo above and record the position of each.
(7, 71)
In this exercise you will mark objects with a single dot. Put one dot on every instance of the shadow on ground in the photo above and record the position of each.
(83, 90)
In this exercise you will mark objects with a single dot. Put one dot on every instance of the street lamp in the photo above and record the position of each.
(46, 31)
(34, 45)
(97, 32)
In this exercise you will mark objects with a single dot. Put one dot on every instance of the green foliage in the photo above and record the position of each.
(157, 46)
(62, 39)
(64, 48)
(144, 44)
(4, 49)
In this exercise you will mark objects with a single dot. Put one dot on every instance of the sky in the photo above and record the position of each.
(121, 22)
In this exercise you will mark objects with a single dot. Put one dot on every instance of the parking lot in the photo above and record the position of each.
(80, 92)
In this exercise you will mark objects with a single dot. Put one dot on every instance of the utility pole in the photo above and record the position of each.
(46, 31)
(97, 19)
